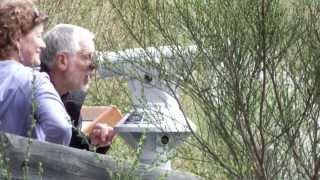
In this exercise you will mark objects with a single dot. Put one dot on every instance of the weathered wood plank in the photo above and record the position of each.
(61, 162)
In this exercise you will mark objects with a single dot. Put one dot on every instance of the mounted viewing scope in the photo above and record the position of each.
(156, 119)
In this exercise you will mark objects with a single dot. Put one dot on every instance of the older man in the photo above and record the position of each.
(67, 59)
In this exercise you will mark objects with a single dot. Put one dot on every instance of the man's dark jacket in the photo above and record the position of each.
(73, 102)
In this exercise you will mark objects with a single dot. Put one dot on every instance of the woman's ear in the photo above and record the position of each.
(62, 61)
(17, 46)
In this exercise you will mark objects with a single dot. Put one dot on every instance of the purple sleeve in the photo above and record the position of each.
(53, 121)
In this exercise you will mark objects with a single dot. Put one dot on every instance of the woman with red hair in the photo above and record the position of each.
(24, 92)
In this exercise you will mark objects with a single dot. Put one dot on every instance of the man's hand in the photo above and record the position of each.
(102, 135)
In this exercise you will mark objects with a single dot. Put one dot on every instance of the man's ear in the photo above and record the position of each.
(62, 61)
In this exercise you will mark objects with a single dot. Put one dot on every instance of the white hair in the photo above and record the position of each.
(63, 38)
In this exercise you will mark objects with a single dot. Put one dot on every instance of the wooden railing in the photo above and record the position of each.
(51, 161)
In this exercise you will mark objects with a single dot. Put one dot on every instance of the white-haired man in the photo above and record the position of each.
(67, 59)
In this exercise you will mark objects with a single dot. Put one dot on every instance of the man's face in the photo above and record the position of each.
(80, 66)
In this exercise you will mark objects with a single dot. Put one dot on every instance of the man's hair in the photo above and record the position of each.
(17, 19)
(62, 38)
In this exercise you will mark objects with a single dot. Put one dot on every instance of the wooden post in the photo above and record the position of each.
(61, 162)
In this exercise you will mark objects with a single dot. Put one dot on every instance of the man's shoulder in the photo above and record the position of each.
(73, 102)
(77, 96)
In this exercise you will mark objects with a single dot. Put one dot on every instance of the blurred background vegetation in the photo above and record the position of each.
(252, 88)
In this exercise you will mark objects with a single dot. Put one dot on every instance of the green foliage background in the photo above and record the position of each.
(252, 89)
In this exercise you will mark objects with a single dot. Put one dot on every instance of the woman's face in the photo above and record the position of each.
(30, 46)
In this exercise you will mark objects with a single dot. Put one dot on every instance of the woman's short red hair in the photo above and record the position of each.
(17, 19)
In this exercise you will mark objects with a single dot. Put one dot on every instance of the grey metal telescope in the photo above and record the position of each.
(156, 117)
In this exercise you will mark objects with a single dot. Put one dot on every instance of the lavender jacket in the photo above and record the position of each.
(19, 87)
